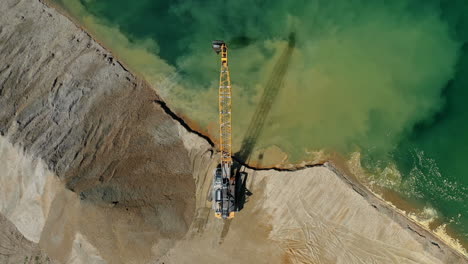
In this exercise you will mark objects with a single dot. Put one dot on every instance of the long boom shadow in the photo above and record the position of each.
(270, 92)
(257, 123)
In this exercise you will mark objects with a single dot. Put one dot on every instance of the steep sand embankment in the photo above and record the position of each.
(95, 171)
(66, 102)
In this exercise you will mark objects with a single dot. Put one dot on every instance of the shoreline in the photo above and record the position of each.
(401, 217)
(409, 209)
(351, 180)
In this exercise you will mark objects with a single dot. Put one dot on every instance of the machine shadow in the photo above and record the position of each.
(257, 123)
(270, 92)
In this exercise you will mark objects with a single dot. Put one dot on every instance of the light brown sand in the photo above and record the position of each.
(140, 193)
(315, 215)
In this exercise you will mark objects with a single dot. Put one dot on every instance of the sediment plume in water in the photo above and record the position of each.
(360, 77)
(361, 74)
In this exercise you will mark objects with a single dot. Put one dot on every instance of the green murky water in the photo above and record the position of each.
(386, 78)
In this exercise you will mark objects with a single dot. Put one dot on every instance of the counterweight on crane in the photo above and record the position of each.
(223, 189)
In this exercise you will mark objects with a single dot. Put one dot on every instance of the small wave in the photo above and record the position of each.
(425, 175)
(424, 182)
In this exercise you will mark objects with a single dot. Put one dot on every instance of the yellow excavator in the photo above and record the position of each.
(223, 189)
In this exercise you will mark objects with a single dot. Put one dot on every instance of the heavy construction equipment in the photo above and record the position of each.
(223, 190)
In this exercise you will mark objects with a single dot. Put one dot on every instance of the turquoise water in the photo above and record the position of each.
(386, 78)
(433, 158)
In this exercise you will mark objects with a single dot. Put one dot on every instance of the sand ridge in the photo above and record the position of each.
(132, 184)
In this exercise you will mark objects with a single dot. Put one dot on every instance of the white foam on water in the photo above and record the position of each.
(392, 180)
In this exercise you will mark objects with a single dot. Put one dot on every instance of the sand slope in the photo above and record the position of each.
(315, 215)
(95, 170)
(124, 174)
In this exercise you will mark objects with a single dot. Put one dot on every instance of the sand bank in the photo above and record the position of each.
(110, 177)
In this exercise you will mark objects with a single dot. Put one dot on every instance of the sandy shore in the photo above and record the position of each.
(314, 215)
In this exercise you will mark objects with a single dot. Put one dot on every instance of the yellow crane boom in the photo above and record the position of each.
(225, 108)
(224, 182)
